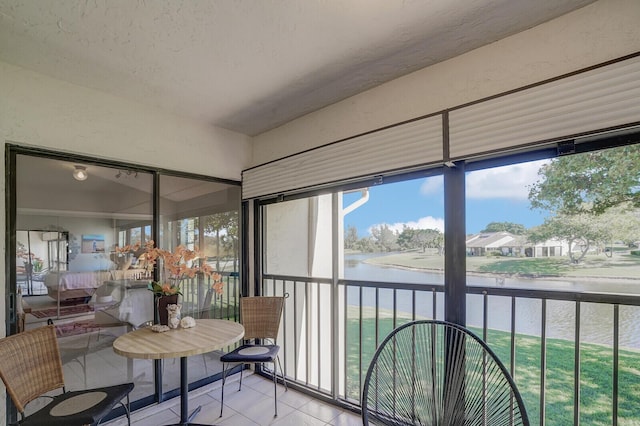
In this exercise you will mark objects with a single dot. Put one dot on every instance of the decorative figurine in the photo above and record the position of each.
(174, 315)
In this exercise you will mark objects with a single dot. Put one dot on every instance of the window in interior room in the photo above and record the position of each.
(135, 235)
(202, 215)
(38, 253)
(568, 224)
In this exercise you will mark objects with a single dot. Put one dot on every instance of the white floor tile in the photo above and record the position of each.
(236, 420)
(347, 418)
(161, 418)
(262, 410)
(293, 398)
(253, 406)
(321, 411)
(297, 418)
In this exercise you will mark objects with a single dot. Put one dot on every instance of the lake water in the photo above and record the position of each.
(596, 318)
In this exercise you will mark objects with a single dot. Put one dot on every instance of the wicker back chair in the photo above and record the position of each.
(439, 374)
(31, 366)
(260, 317)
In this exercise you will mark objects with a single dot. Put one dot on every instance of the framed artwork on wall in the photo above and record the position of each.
(92, 243)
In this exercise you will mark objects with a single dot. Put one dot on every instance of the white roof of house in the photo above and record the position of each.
(490, 239)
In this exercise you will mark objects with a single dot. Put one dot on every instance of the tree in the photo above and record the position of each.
(429, 238)
(216, 224)
(384, 237)
(366, 245)
(351, 237)
(581, 232)
(405, 239)
(514, 228)
(621, 223)
(590, 182)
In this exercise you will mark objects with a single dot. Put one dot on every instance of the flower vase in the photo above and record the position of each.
(161, 305)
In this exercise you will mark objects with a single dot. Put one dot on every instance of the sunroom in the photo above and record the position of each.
(358, 211)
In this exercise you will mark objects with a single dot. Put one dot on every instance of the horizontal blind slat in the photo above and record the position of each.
(602, 98)
(403, 146)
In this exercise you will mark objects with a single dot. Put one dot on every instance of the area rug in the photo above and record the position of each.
(75, 328)
(64, 311)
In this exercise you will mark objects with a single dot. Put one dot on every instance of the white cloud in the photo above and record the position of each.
(428, 222)
(432, 185)
(511, 181)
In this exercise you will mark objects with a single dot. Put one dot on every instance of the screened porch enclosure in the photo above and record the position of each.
(516, 216)
(571, 352)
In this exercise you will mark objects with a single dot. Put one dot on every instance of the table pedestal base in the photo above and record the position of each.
(185, 417)
(209, 335)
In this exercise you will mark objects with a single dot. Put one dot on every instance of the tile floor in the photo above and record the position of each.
(251, 407)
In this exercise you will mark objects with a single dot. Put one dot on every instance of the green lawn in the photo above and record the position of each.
(596, 374)
(618, 266)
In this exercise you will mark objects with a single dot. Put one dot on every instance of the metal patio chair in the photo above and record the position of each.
(439, 374)
(260, 317)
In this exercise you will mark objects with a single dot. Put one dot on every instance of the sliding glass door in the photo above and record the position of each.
(201, 216)
(67, 228)
(72, 215)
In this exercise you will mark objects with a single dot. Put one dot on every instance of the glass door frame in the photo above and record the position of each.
(11, 317)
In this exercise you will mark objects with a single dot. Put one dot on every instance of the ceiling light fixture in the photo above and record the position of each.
(80, 173)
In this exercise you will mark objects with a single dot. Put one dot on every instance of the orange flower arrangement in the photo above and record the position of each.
(177, 265)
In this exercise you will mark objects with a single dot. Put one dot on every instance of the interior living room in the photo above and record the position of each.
(326, 153)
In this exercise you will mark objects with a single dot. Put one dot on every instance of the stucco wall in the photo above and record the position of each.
(37, 110)
(40, 111)
(602, 31)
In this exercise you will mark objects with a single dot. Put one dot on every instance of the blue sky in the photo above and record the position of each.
(493, 195)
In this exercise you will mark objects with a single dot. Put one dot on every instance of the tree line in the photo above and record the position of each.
(385, 239)
(592, 200)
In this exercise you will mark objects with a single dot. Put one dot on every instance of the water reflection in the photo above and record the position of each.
(596, 319)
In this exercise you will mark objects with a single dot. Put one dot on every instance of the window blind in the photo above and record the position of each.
(399, 147)
(598, 99)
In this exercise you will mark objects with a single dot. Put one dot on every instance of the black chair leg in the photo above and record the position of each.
(284, 380)
(275, 390)
(127, 410)
(275, 383)
(224, 378)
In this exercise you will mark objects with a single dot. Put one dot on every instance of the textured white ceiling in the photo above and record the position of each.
(251, 65)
